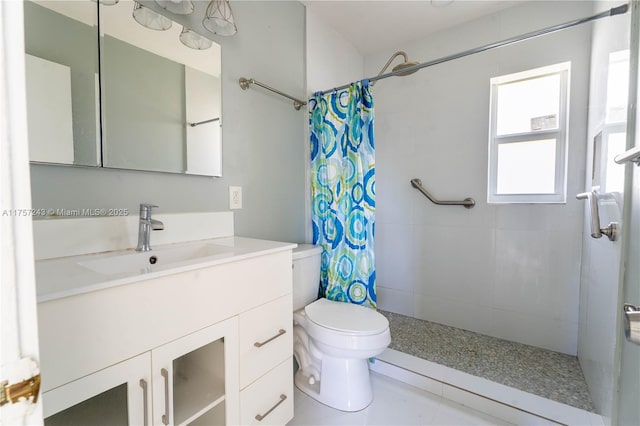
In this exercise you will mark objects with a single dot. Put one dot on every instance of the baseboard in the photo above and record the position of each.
(506, 403)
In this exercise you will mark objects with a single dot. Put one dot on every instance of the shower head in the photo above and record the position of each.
(404, 65)
(399, 67)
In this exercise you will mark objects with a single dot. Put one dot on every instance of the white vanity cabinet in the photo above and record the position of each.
(212, 345)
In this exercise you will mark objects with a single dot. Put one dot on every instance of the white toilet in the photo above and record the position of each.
(332, 341)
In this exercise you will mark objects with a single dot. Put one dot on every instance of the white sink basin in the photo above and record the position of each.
(144, 262)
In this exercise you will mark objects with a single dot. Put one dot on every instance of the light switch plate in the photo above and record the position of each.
(235, 197)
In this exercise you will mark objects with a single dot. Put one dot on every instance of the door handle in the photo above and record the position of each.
(632, 323)
(165, 416)
(145, 402)
(611, 231)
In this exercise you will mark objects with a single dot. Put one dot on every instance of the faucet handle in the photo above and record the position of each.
(145, 210)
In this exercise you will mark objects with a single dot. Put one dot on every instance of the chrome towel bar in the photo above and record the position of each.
(204, 122)
(246, 82)
(468, 203)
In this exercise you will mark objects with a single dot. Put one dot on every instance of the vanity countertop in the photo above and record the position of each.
(69, 276)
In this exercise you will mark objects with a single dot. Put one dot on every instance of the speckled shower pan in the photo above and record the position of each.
(545, 373)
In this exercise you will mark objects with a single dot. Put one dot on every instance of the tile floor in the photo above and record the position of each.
(395, 403)
(538, 371)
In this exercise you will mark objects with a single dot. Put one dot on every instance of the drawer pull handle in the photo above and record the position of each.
(145, 402)
(260, 344)
(260, 417)
(165, 416)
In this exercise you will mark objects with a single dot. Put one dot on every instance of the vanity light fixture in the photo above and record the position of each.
(194, 40)
(219, 18)
(150, 19)
(107, 2)
(179, 7)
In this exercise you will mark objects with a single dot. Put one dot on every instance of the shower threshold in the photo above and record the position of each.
(531, 380)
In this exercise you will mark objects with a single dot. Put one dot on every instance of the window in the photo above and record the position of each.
(528, 136)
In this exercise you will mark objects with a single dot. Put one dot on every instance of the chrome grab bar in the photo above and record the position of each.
(596, 232)
(468, 203)
(246, 82)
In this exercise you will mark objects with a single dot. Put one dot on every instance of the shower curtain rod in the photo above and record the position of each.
(619, 10)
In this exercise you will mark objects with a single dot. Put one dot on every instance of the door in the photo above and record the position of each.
(19, 336)
(628, 395)
(627, 410)
(604, 194)
(195, 377)
(116, 395)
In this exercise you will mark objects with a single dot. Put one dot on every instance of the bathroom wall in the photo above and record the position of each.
(601, 257)
(263, 140)
(331, 61)
(510, 271)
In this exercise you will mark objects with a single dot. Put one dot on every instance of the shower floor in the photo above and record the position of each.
(545, 373)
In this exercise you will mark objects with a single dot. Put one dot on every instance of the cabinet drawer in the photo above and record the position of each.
(266, 338)
(270, 398)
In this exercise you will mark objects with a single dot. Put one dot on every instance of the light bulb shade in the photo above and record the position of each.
(219, 18)
(150, 19)
(194, 40)
(179, 7)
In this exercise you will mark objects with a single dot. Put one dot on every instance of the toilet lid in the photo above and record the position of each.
(346, 317)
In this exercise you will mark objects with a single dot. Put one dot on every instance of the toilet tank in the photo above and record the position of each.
(306, 274)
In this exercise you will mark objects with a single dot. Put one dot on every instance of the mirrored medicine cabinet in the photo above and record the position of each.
(105, 91)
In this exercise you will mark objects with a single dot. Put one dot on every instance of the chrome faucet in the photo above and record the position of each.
(145, 226)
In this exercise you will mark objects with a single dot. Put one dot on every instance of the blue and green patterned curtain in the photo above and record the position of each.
(343, 192)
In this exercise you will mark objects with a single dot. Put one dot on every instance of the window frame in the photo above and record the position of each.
(561, 135)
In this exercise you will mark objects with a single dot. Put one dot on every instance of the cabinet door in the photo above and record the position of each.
(117, 395)
(195, 378)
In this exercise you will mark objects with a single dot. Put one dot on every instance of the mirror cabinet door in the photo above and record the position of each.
(153, 103)
(61, 64)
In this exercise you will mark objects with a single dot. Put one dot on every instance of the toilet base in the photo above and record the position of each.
(344, 384)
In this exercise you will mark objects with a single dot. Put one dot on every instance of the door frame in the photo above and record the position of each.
(18, 306)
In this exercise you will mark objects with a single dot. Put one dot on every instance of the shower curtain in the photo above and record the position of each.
(343, 192)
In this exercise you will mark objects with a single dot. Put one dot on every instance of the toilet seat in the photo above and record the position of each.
(346, 318)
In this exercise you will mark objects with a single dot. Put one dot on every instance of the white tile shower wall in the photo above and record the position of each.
(510, 271)
(601, 258)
